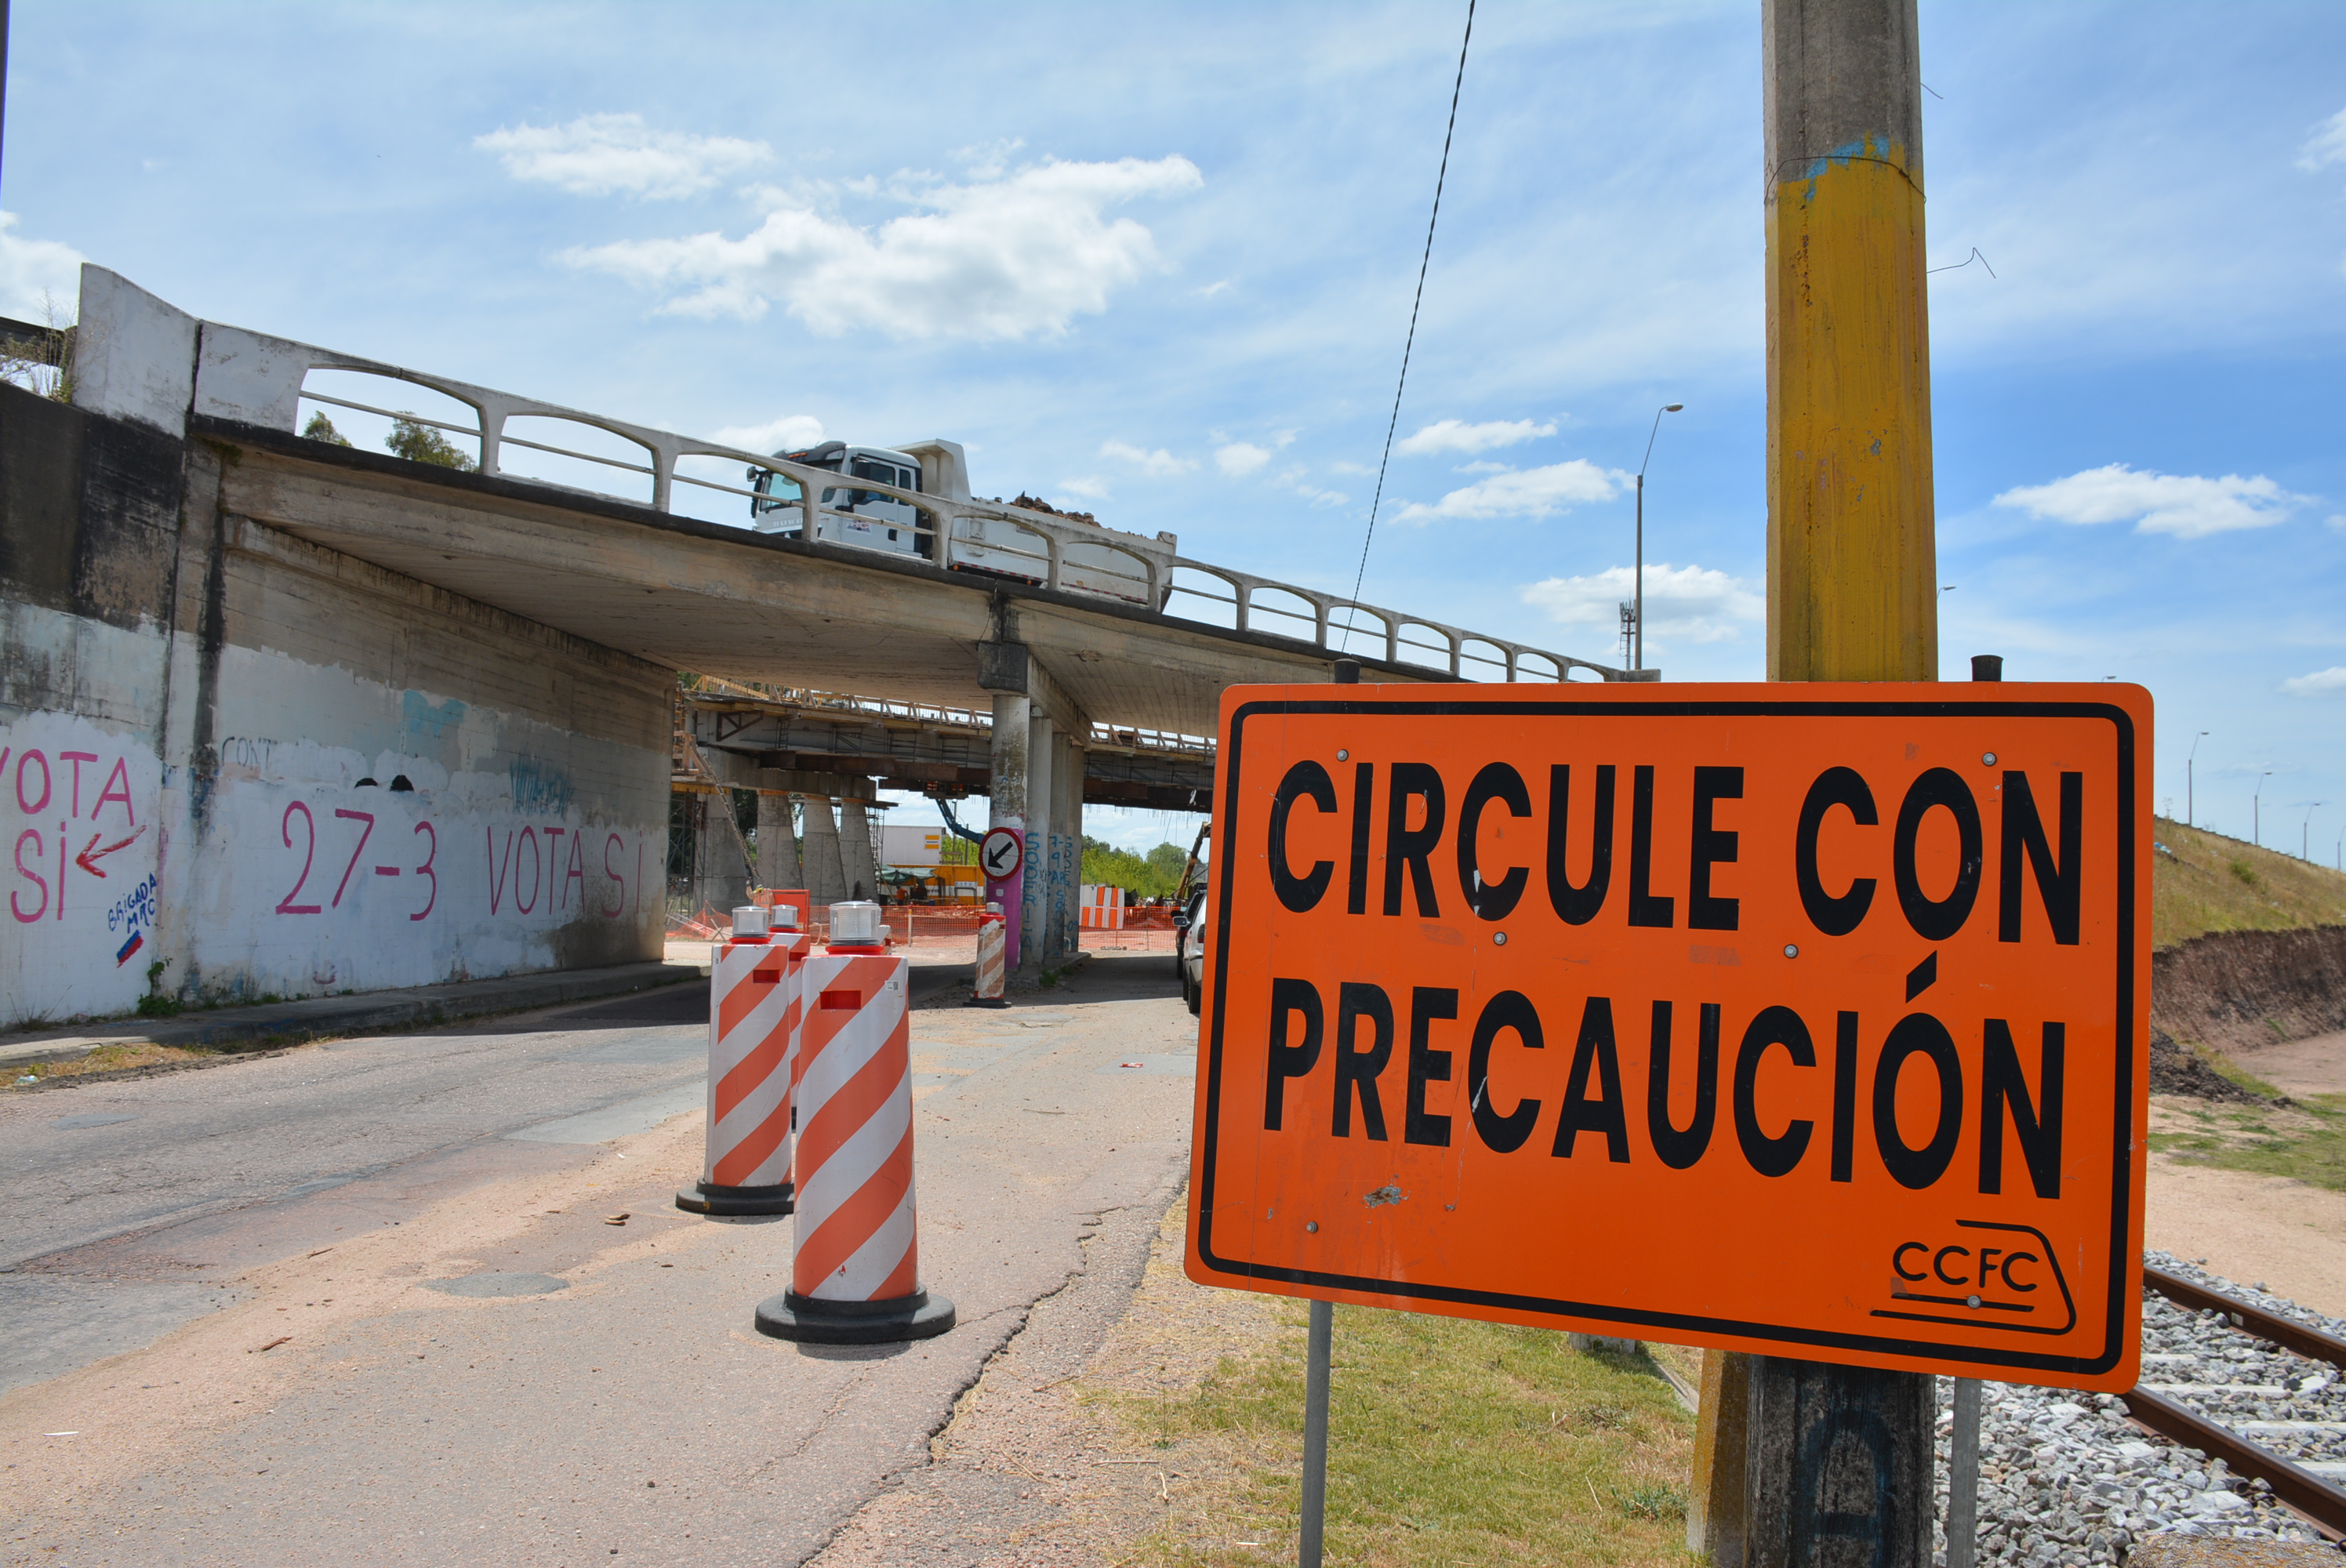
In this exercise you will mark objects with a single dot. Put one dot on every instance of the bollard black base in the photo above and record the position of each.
(989, 1002)
(704, 1198)
(811, 1321)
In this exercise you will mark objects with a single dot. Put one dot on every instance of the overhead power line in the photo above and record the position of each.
(1360, 574)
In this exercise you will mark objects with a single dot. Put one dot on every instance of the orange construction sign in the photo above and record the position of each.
(1805, 1020)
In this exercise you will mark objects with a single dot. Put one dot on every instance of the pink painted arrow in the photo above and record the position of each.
(91, 854)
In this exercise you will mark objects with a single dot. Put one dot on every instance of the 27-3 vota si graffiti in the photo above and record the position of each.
(561, 885)
(521, 868)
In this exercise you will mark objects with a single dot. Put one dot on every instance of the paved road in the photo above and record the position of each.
(155, 1235)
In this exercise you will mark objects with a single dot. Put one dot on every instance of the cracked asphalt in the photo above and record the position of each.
(226, 1345)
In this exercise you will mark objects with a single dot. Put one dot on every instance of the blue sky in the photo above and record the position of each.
(1156, 263)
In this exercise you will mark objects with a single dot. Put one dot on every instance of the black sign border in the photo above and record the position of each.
(2121, 1265)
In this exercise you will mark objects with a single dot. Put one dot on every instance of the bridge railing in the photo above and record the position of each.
(256, 379)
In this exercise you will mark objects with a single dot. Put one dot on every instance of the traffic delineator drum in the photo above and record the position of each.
(855, 1274)
(992, 960)
(753, 1025)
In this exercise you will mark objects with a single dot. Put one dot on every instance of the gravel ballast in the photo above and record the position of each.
(2067, 1479)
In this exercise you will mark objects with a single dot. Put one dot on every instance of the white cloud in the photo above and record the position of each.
(1241, 458)
(1158, 464)
(2326, 145)
(1090, 489)
(2330, 682)
(1529, 492)
(2338, 521)
(1455, 435)
(991, 260)
(1698, 603)
(37, 274)
(988, 159)
(606, 155)
(1293, 480)
(792, 432)
(1340, 466)
(2187, 505)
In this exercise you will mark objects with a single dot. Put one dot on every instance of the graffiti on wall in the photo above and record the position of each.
(359, 885)
(316, 869)
(79, 809)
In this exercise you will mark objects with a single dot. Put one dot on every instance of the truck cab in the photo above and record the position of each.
(1115, 568)
(873, 519)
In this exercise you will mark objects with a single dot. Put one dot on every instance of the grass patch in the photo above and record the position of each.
(1450, 1442)
(109, 1059)
(2207, 883)
(2305, 1142)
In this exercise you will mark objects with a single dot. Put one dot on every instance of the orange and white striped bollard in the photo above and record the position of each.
(992, 955)
(754, 1027)
(855, 1274)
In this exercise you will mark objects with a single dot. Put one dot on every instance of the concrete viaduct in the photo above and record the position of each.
(298, 652)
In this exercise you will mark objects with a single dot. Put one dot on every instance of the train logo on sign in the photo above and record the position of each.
(1800, 1020)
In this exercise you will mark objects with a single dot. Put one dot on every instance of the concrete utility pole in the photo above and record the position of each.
(1795, 1459)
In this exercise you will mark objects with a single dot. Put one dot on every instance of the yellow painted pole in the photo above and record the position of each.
(1851, 554)
(1852, 594)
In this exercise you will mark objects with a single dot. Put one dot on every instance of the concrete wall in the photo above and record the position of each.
(204, 725)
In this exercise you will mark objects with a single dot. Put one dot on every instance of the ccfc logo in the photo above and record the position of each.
(1994, 1278)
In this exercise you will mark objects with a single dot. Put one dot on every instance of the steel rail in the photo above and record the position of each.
(2316, 1501)
(2321, 1505)
(2283, 1331)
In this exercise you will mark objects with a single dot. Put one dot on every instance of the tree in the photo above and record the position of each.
(1165, 863)
(1158, 875)
(420, 443)
(321, 428)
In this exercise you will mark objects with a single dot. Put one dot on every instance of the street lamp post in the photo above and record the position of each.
(2191, 802)
(2256, 811)
(1637, 660)
(2305, 835)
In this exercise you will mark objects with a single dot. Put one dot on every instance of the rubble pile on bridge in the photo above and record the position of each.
(2066, 1480)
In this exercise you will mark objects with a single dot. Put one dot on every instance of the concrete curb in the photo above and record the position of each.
(291, 1021)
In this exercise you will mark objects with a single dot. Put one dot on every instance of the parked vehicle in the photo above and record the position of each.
(1190, 951)
(1115, 568)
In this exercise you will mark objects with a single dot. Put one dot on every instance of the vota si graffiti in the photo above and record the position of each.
(1371, 1054)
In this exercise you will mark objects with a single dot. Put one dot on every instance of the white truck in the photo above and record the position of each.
(874, 519)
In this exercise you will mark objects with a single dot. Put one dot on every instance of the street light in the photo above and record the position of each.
(2190, 804)
(2305, 835)
(2257, 810)
(1637, 660)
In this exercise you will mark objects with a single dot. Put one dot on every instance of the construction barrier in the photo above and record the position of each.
(855, 1275)
(753, 1025)
(993, 953)
(1101, 908)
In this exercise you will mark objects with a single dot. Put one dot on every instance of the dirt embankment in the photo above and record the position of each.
(2239, 990)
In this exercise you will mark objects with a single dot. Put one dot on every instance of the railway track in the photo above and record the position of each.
(2178, 1410)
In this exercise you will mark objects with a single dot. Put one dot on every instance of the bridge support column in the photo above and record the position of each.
(855, 860)
(1007, 793)
(826, 879)
(1040, 946)
(778, 843)
(720, 878)
(1068, 842)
